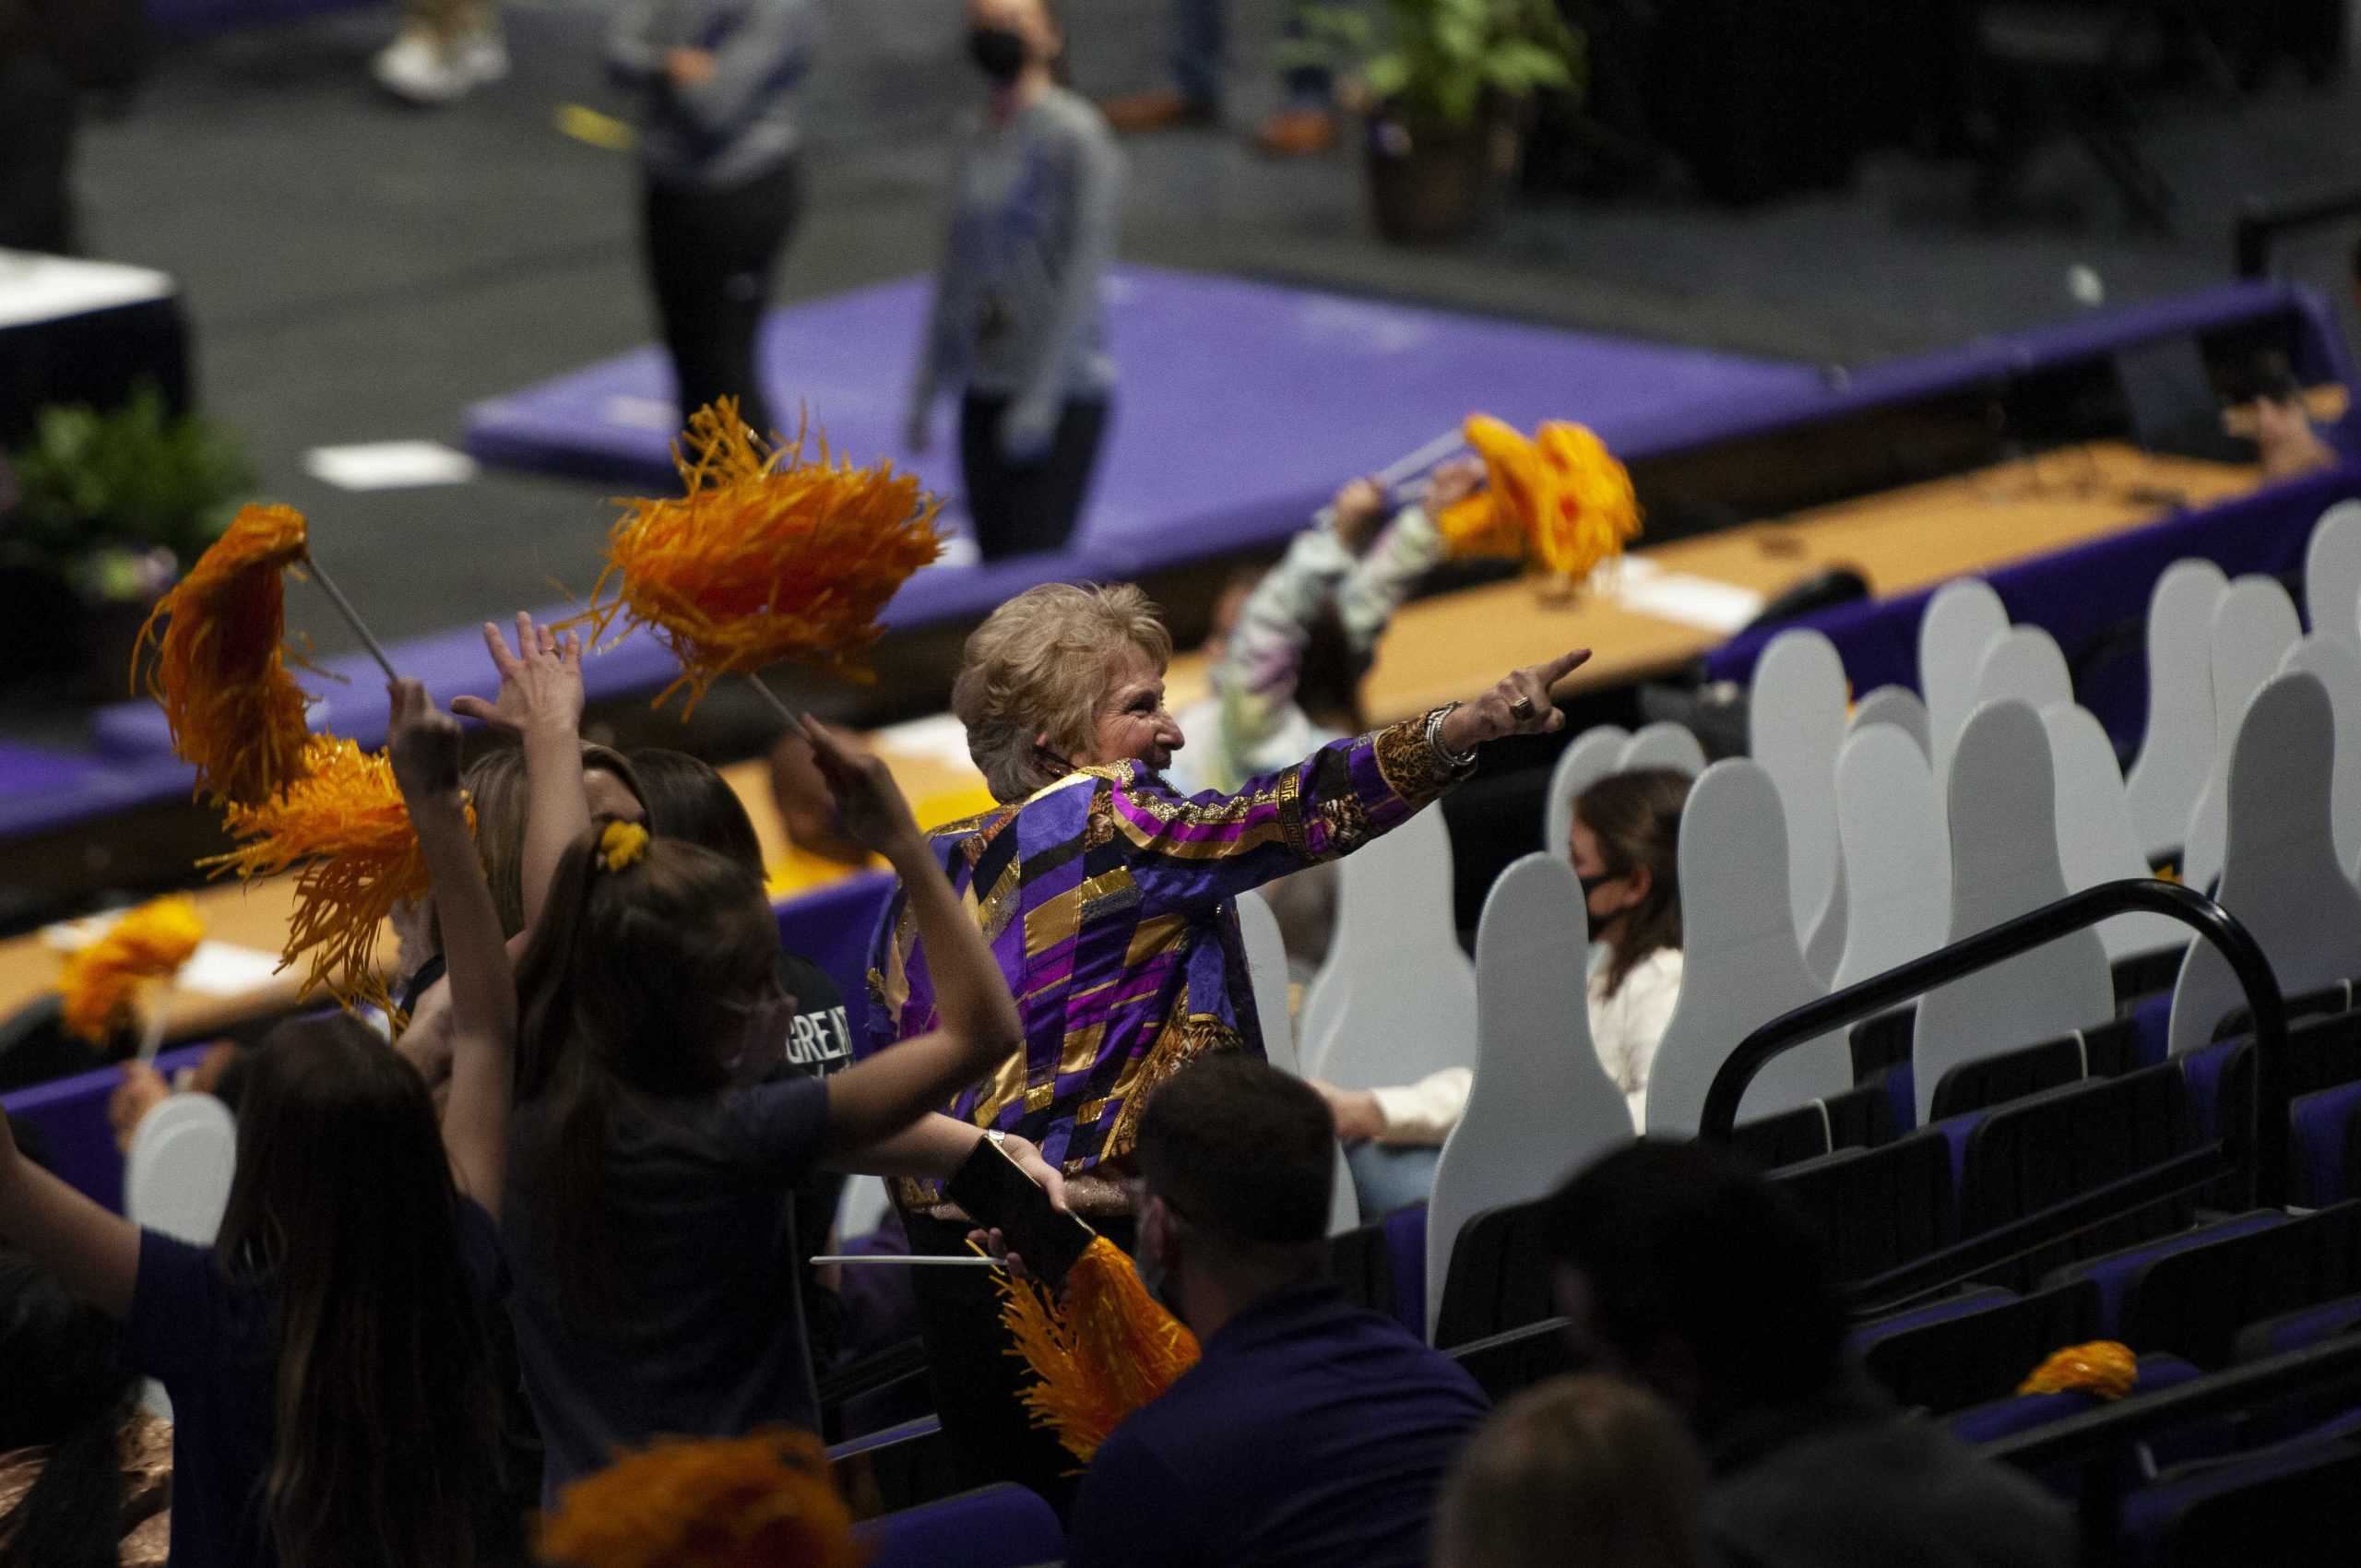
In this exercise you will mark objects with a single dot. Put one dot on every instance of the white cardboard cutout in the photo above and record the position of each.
(1741, 966)
(2280, 872)
(2003, 816)
(1541, 1104)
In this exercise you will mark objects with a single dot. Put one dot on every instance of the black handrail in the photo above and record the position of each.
(2261, 1148)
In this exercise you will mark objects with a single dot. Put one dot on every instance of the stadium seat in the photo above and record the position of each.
(1499, 1277)
(2292, 1507)
(2020, 1159)
(1877, 1208)
(2121, 1277)
(1978, 1350)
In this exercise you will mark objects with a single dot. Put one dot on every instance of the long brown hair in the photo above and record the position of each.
(1636, 817)
(496, 789)
(631, 989)
(342, 1206)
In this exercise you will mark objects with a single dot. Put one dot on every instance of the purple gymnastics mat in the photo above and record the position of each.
(1240, 406)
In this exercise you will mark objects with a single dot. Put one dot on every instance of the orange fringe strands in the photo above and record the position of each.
(765, 556)
(2103, 1369)
(344, 823)
(1101, 1353)
(760, 1502)
(221, 670)
(1561, 501)
(99, 983)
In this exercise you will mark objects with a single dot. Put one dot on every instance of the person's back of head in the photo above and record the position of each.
(1678, 1265)
(498, 794)
(343, 1209)
(688, 800)
(1587, 1470)
(70, 1391)
(1635, 816)
(1237, 1161)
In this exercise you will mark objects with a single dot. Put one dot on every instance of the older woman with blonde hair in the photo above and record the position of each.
(1108, 897)
(1583, 1470)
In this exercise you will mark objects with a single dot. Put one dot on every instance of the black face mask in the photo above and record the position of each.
(1593, 883)
(998, 53)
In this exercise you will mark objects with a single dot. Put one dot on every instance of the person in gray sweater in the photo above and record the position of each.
(1019, 326)
(722, 185)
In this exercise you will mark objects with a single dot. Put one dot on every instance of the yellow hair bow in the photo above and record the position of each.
(621, 845)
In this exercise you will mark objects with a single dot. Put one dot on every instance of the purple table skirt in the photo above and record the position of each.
(2081, 596)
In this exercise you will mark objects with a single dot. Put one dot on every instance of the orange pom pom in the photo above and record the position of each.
(221, 670)
(1101, 1353)
(2102, 1367)
(101, 981)
(344, 823)
(1563, 502)
(765, 557)
(760, 1502)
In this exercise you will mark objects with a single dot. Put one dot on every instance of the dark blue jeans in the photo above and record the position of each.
(1200, 35)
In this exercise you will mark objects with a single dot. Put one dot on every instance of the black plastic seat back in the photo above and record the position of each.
(2193, 1303)
(1499, 1277)
(1965, 1360)
(1505, 1364)
(2028, 1156)
(1882, 1043)
(2104, 1050)
(1877, 1208)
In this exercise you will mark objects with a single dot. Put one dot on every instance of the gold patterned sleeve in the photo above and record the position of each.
(1187, 851)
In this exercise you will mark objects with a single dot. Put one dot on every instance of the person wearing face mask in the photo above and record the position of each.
(1018, 327)
(721, 175)
(1109, 901)
(1311, 1431)
(1626, 852)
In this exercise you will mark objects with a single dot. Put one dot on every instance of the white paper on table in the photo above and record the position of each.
(50, 288)
(389, 464)
(1692, 601)
(225, 968)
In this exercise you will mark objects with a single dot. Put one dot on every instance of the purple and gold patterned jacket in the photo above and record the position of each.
(1107, 898)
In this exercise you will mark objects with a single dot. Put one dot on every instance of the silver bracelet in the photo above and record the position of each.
(1456, 760)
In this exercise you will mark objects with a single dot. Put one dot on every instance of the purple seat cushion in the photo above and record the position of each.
(2321, 1124)
(999, 1527)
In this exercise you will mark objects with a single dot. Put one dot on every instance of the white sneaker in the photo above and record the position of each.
(418, 67)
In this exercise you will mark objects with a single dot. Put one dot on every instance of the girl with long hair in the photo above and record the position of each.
(1626, 852)
(655, 1262)
(327, 1357)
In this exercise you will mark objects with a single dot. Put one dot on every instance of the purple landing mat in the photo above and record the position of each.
(832, 927)
(2089, 597)
(1240, 408)
(188, 18)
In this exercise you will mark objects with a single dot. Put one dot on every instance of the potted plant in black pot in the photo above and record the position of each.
(1446, 85)
(100, 513)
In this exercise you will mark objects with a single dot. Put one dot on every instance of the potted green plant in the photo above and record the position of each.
(1447, 84)
(104, 510)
